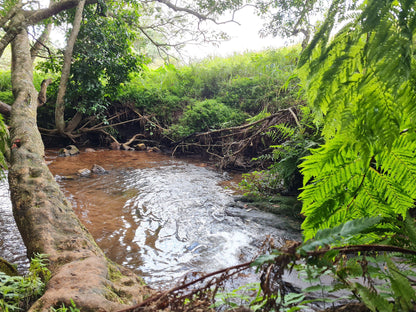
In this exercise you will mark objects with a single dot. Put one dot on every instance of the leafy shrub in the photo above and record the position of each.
(206, 115)
(151, 100)
(248, 82)
(6, 94)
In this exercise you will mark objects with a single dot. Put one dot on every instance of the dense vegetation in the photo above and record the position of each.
(220, 92)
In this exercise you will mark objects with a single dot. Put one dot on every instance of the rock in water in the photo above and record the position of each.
(140, 146)
(115, 146)
(70, 150)
(97, 169)
(84, 172)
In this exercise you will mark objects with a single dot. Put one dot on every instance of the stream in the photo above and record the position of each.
(162, 217)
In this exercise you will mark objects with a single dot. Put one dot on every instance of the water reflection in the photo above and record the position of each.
(160, 216)
(11, 245)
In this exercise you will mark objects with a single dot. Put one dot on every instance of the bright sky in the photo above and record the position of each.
(244, 37)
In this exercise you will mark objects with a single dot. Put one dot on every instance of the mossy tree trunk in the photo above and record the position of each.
(80, 270)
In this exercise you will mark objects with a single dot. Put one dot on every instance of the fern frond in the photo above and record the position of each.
(361, 86)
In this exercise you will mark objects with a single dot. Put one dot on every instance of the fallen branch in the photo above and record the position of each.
(5, 109)
(231, 146)
(238, 268)
(271, 272)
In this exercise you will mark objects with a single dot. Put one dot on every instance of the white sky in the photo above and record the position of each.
(244, 37)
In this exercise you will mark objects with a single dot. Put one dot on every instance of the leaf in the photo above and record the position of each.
(372, 300)
(340, 233)
(265, 259)
(404, 294)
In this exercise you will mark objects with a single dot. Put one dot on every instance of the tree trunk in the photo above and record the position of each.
(80, 270)
(60, 104)
(40, 41)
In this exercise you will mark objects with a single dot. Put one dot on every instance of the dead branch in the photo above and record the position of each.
(230, 145)
(5, 109)
(42, 93)
(110, 136)
(156, 124)
(230, 271)
(95, 128)
(271, 279)
(133, 138)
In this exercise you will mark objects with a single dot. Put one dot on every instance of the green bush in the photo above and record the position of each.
(249, 82)
(150, 100)
(207, 115)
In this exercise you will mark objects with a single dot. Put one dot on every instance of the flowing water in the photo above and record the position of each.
(163, 217)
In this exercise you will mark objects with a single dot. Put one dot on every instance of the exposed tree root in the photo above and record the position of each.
(229, 147)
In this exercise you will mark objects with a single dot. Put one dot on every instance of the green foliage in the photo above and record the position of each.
(249, 82)
(4, 146)
(6, 94)
(7, 97)
(360, 86)
(5, 81)
(289, 155)
(155, 92)
(359, 185)
(374, 273)
(260, 183)
(102, 62)
(237, 297)
(283, 175)
(206, 115)
(340, 235)
(63, 308)
(18, 292)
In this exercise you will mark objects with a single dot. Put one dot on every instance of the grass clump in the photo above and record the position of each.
(17, 293)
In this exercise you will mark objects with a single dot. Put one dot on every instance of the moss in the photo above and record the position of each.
(114, 273)
(114, 295)
(7, 268)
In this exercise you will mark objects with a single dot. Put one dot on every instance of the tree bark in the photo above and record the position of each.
(5, 109)
(60, 104)
(40, 41)
(80, 270)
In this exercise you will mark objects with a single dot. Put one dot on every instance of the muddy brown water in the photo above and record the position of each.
(160, 216)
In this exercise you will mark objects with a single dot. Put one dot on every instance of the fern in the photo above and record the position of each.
(360, 87)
